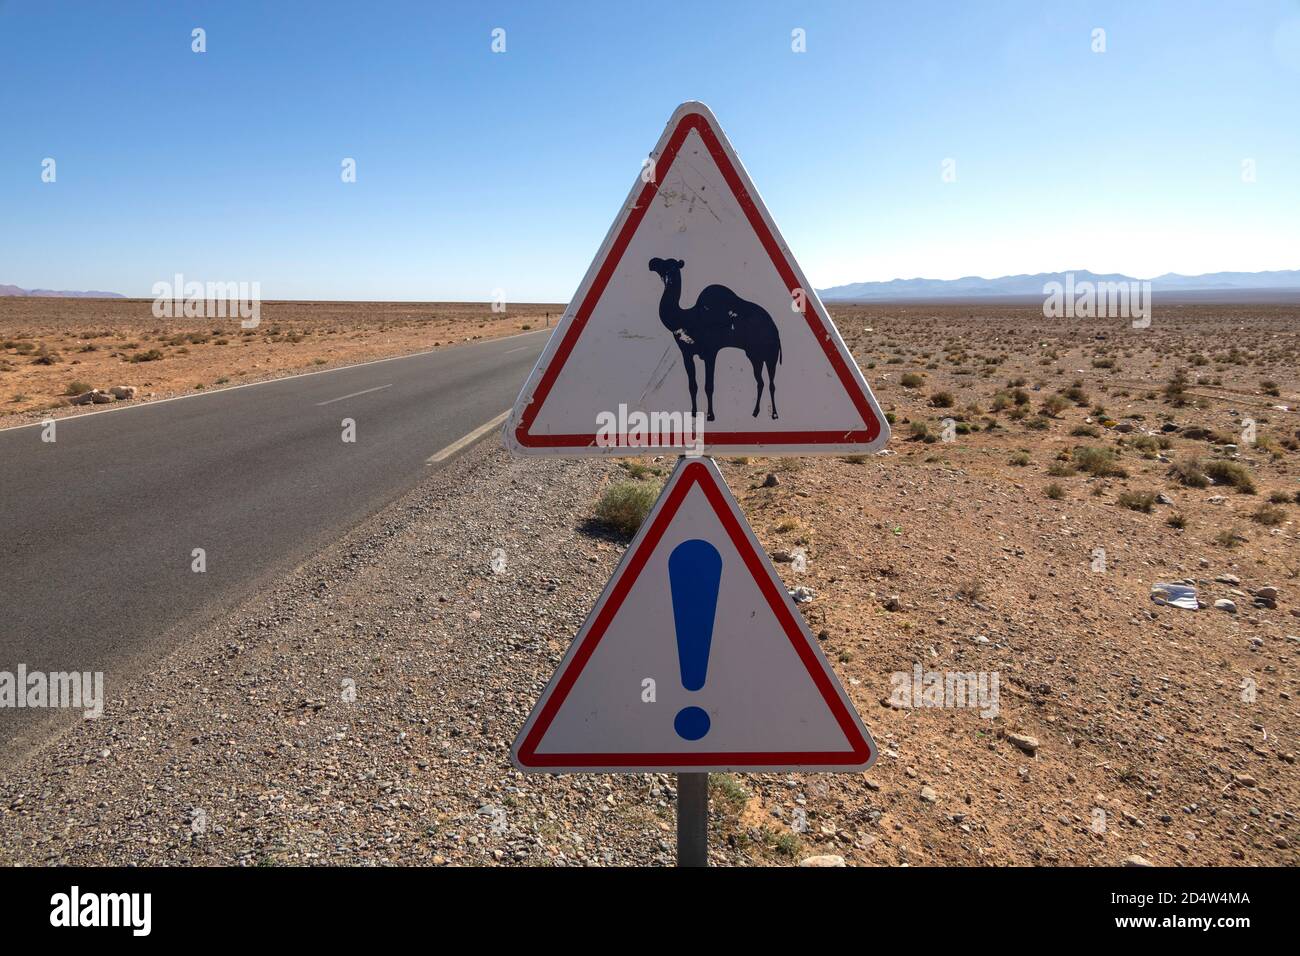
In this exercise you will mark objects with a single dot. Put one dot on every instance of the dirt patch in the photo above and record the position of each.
(51, 348)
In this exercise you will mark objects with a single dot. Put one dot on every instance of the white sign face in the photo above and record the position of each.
(694, 659)
(695, 328)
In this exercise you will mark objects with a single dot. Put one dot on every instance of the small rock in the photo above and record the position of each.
(827, 859)
(1136, 860)
(1224, 604)
(1228, 579)
(1026, 743)
(771, 481)
(928, 795)
(893, 603)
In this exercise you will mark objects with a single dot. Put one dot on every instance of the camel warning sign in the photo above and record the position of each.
(694, 328)
(694, 659)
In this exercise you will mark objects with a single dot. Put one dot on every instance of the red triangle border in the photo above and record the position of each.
(695, 473)
(698, 122)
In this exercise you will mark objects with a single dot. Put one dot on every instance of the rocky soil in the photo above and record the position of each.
(54, 350)
(361, 710)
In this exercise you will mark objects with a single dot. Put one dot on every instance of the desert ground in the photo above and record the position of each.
(1044, 477)
(52, 349)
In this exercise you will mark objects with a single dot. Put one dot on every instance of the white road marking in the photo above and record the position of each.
(469, 439)
(520, 349)
(364, 391)
(270, 381)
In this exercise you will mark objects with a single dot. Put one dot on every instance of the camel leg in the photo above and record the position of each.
(709, 361)
(758, 379)
(689, 361)
(771, 384)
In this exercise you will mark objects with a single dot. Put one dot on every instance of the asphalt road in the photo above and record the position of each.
(98, 528)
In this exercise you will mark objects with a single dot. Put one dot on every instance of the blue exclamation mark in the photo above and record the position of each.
(694, 571)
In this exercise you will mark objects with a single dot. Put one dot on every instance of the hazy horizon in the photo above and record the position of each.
(1251, 290)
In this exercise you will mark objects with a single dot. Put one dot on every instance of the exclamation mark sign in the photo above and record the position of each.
(694, 572)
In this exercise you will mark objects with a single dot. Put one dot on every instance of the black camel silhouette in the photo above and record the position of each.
(720, 319)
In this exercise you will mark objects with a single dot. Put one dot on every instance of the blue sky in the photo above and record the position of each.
(478, 171)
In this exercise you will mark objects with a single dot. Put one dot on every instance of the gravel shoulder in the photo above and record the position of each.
(246, 747)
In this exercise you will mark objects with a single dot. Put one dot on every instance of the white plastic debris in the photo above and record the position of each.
(1175, 595)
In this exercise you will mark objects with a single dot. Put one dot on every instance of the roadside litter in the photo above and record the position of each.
(1175, 595)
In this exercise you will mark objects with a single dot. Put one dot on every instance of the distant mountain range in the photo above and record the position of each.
(50, 293)
(1032, 285)
(968, 287)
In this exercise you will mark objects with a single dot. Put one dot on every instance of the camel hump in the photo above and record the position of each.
(722, 299)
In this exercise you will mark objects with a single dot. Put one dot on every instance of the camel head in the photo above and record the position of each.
(667, 268)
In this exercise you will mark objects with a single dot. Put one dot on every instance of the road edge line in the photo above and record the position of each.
(466, 440)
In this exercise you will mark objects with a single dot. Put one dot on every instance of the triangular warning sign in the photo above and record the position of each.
(694, 659)
(694, 306)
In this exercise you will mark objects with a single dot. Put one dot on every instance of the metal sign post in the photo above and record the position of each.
(692, 819)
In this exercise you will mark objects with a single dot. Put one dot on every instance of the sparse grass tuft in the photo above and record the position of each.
(1054, 405)
(1176, 389)
(1098, 461)
(639, 470)
(1269, 515)
(625, 504)
(1229, 538)
(1137, 500)
(1231, 473)
(1189, 473)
